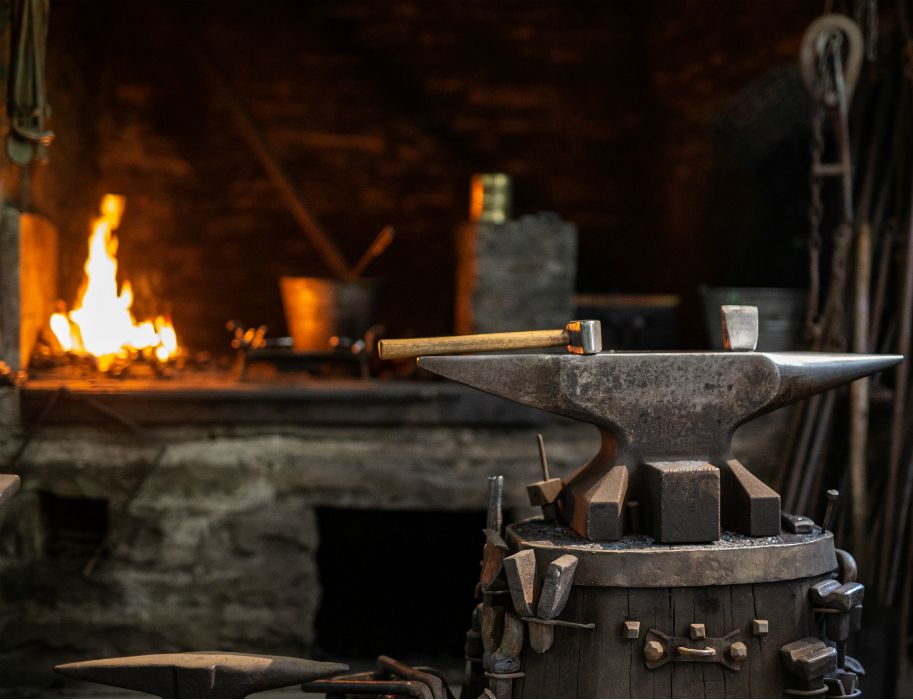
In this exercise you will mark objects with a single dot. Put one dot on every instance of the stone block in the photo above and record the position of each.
(519, 275)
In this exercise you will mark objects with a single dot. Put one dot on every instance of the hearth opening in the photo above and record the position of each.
(397, 582)
(74, 527)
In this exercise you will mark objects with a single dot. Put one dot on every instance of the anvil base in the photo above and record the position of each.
(677, 501)
(691, 620)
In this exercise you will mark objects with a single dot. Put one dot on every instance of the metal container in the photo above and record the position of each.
(490, 198)
(781, 315)
(317, 309)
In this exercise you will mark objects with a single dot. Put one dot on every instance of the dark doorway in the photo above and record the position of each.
(74, 527)
(397, 582)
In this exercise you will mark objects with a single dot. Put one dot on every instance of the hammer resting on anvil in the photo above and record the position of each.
(666, 420)
(580, 338)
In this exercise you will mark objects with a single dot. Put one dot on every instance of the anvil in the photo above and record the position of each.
(202, 674)
(666, 420)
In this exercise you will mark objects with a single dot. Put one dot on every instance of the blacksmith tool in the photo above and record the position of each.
(203, 674)
(545, 493)
(537, 602)
(397, 669)
(392, 679)
(580, 338)
(740, 327)
(494, 517)
(666, 420)
(830, 513)
(523, 581)
(495, 548)
(839, 604)
(809, 660)
(556, 587)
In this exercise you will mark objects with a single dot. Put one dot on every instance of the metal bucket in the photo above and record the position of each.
(781, 315)
(317, 309)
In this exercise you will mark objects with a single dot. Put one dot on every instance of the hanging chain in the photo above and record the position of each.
(815, 214)
(825, 93)
(27, 106)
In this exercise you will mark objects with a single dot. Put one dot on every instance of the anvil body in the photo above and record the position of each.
(667, 421)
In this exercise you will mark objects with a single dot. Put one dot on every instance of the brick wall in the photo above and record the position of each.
(381, 111)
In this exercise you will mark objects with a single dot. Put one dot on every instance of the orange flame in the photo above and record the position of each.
(101, 322)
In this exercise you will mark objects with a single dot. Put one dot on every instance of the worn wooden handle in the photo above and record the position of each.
(447, 345)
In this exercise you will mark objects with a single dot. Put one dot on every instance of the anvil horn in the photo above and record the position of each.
(205, 674)
(804, 374)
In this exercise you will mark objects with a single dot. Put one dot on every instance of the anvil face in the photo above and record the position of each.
(660, 406)
(667, 421)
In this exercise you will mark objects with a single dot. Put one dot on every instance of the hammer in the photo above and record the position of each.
(580, 337)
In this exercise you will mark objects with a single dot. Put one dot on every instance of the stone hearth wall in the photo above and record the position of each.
(217, 551)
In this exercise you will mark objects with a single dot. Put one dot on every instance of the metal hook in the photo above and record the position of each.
(821, 32)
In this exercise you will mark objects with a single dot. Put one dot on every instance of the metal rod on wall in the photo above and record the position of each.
(244, 123)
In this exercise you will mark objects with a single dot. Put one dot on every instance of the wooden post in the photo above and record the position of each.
(10, 259)
(28, 282)
(37, 280)
(10, 343)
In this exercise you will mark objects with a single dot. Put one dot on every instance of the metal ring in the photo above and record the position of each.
(632, 563)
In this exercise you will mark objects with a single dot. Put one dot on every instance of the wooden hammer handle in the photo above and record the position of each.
(446, 345)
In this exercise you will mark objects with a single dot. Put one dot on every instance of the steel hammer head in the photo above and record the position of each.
(584, 337)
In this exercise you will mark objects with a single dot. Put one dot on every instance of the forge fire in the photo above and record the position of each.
(101, 322)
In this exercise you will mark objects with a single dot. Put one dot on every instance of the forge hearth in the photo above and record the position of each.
(211, 539)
